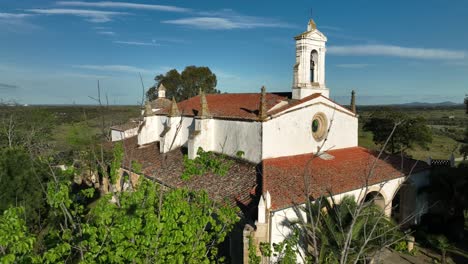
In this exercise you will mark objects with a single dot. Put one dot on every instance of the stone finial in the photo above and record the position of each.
(261, 211)
(262, 111)
(148, 109)
(353, 101)
(204, 111)
(174, 109)
(268, 200)
(311, 26)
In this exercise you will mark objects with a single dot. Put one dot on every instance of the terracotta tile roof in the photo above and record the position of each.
(348, 170)
(234, 106)
(160, 103)
(241, 105)
(237, 187)
(126, 126)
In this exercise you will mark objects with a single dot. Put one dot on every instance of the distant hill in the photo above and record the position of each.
(423, 104)
(418, 105)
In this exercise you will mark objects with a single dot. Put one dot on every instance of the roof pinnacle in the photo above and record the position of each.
(204, 111)
(311, 26)
(263, 107)
(174, 109)
(353, 101)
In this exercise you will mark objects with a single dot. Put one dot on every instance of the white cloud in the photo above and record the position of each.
(107, 33)
(396, 51)
(229, 22)
(13, 16)
(90, 15)
(84, 75)
(114, 68)
(16, 22)
(353, 65)
(110, 4)
(138, 43)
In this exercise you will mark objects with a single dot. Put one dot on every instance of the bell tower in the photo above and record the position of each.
(309, 70)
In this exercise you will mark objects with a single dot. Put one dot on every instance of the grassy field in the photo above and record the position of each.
(62, 119)
(447, 125)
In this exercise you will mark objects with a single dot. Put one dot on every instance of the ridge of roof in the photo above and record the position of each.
(243, 106)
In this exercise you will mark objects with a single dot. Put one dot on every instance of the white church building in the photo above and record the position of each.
(279, 135)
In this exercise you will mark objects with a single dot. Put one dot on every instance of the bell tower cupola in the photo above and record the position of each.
(309, 70)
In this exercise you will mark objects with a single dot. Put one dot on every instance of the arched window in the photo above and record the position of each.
(312, 70)
(313, 66)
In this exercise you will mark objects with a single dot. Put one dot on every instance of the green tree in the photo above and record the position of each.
(409, 132)
(442, 244)
(16, 243)
(186, 84)
(22, 180)
(150, 224)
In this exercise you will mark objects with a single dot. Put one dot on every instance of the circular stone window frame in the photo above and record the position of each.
(321, 132)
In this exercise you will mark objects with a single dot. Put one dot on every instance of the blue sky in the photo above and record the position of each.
(53, 52)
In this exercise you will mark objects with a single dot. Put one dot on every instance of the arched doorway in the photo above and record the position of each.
(378, 199)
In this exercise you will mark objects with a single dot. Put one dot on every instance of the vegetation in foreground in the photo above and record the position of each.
(48, 218)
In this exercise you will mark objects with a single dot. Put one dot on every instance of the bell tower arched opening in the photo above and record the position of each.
(313, 66)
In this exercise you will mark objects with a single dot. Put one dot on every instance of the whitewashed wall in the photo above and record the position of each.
(232, 136)
(151, 129)
(178, 135)
(118, 135)
(291, 133)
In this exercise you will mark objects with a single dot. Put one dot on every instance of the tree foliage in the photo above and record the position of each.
(206, 162)
(21, 179)
(184, 85)
(147, 225)
(408, 133)
(16, 243)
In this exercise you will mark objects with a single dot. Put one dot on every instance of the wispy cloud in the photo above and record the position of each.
(353, 65)
(107, 33)
(16, 22)
(138, 43)
(227, 19)
(6, 86)
(13, 16)
(111, 4)
(95, 16)
(114, 68)
(84, 75)
(396, 51)
(217, 23)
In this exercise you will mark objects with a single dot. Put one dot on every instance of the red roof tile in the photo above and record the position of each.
(239, 105)
(236, 106)
(234, 187)
(160, 103)
(348, 170)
